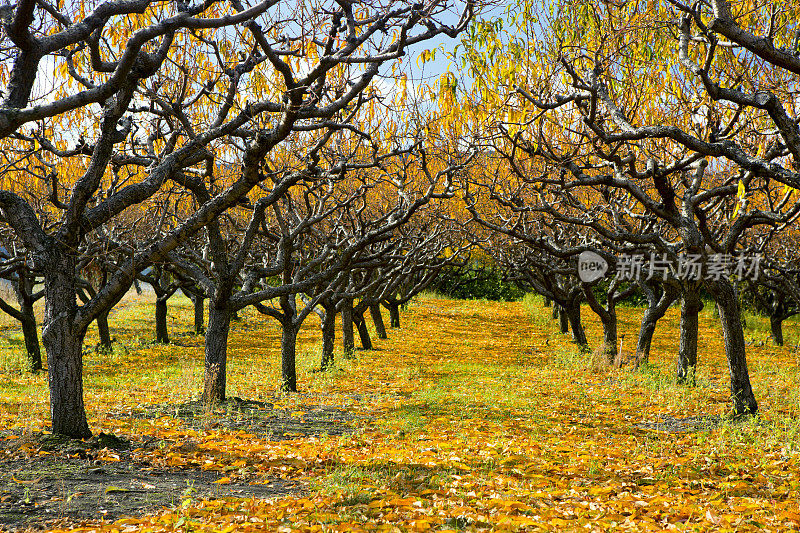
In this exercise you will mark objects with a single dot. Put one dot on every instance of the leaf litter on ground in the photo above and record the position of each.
(474, 416)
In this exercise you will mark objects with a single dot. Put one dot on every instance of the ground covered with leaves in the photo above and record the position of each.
(474, 416)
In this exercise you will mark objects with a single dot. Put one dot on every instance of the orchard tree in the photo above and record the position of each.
(137, 96)
(22, 280)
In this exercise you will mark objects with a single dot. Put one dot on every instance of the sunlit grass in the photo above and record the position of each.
(482, 401)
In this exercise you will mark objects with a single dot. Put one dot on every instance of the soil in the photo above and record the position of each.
(260, 418)
(689, 424)
(49, 481)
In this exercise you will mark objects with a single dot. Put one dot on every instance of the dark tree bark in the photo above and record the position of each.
(216, 350)
(199, 314)
(744, 401)
(63, 344)
(608, 317)
(290, 326)
(162, 332)
(348, 335)
(289, 357)
(776, 329)
(328, 336)
(104, 333)
(610, 337)
(377, 320)
(691, 306)
(563, 319)
(363, 332)
(198, 299)
(30, 333)
(394, 312)
(573, 312)
(24, 282)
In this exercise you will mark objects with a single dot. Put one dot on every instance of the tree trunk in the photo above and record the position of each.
(348, 335)
(548, 302)
(687, 347)
(328, 337)
(162, 333)
(608, 318)
(289, 357)
(656, 309)
(219, 324)
(776, 329)
(30, 333)
(377, 319)
(363, 332)
(199, 314)
(646, 331)
(394, 312)
(610, 337)
(104, 332)
(744, 401)
(556, 313)
(63, 344)
(573, 312)
(563, 319)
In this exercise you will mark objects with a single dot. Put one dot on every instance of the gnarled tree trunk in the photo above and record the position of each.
(377, 320)
(744, 401)
(348, 335)
(30, 333)
(216, 359)
(328, 337)
(63, 343)
(363, 332)
(104, 332)
(776, 329)
(656, 309)
(563, 319)
(199, 314)
(608, 317)
(289, 356)
(573, 312)
(394, 312)
(687, 347)
(162, 332)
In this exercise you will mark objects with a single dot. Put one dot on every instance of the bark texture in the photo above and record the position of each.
(776, 330)
(377, 320)
(216, 350)
(573, 312)
(199, 314)
(328, 337)
(288, 357)
(363, 332)
(687, 347)
(394, 313)
(104, 332)
(162, 332)
(742, 397)
(348, 335)
(64, 343)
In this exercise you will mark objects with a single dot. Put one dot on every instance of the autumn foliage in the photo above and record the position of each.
(433, 439)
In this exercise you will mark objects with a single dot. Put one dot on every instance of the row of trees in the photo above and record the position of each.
(240, 150)
(663, 130)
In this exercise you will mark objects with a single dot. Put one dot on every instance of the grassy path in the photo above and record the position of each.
(473, 416)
